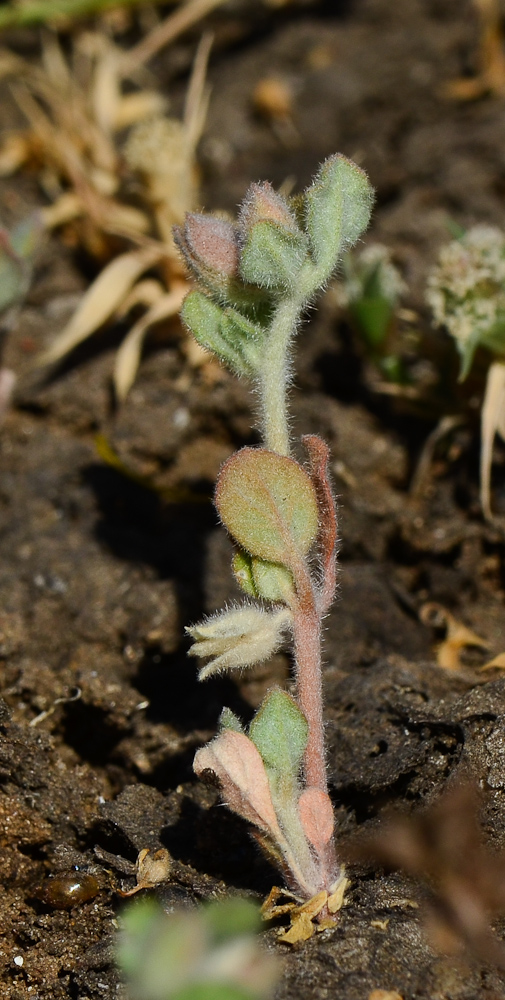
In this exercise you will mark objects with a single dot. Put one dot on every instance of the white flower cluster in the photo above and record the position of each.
(466, 289)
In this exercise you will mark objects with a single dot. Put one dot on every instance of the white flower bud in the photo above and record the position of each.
(238, 637)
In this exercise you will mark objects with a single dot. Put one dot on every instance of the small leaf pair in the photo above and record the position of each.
(259, 777)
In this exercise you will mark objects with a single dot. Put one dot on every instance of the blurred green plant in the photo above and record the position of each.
(63, 12)
(370, 289)
(15, 15)
(208, 953)
(256, 277)
(17, 250)
(466, 292)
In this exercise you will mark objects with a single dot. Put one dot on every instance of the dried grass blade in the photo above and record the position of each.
(101, 301)
(68, 206)
(54, 62)
(175, 24)
(7, 383)
(133, 108)
(128, 356)
(106, 88)
(39, 121)
(492, 421)
(145, 293)
(197, 97)
(11, 64)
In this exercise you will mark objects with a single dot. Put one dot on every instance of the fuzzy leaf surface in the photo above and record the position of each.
(240, 770)
(242, 335)
(273, 582)
(268, 504)
(280, 731)
(243, 573)
(338, 208)
(203, 318)
(228, 720)
(273, 256)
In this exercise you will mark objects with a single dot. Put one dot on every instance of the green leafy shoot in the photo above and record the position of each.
(255, 277)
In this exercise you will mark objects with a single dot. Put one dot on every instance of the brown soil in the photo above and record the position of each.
(99, 574)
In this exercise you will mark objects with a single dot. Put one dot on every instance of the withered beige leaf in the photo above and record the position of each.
(101, 300)
(457, 638)
(144, 293)
(492, 422)
(497, 663)
(128, 356)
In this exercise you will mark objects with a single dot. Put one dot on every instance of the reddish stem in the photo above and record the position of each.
(307, 641)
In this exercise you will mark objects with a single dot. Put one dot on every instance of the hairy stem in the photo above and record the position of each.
(307, 641)
(274, 375)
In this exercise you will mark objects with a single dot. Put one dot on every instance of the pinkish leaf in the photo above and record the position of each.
(316, 815)
(237, 765)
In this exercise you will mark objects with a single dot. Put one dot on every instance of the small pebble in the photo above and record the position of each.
(68, 889)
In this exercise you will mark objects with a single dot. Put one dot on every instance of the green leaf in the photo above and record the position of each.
(273, 582)
(273, 256)
(228, 720)
(259, 578)
(203, 318)
(338, 208)
(156, 950)
(494, 338)
(27, 235)
(242, 571)
(226, 332)
(373, 317)
(279, 730)
(229, 918)
(213, 991)
(242, 336)
(466, 352)
(268, 504)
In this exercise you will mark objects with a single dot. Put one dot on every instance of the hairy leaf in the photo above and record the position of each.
(268, 504)
(242, 571)
(338, 208)
(279, 730)
(203, 317)
(273, 582)
(228, 720)
(272, 256)
(238, 637)
(235, 761)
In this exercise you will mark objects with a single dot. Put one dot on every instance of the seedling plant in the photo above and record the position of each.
(255, 278)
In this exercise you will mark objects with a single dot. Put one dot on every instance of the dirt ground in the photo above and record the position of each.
(98, 573)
